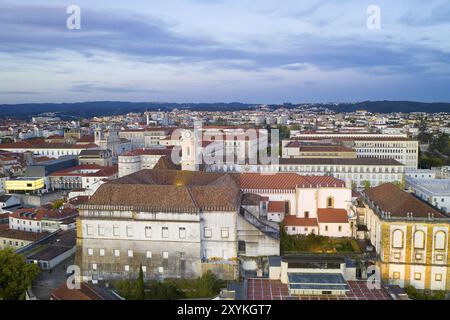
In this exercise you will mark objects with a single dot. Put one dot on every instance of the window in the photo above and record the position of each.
(419, 239)
(89, 230)
(417, 276)
(397, 239)
(165, 255)
(165, 232)
(439, 240)
(326, 228)
(340, 228)
(438, 277)
(148, 254)
(130, 253)
(144, 269)
(161, 270)
(101, 230)
(439, 257)
(397, 256)
(94, 266)
(418, 256)
(224, 232)
(306, 214)
(148, 232)
(102, 252)
(90, 252)
(182, 233)
(330, 202)
(208, 232)
(129, 231)
(117, 253)
(116, 230)
(127, 268)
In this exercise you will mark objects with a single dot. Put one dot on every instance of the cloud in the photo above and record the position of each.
(232, 43)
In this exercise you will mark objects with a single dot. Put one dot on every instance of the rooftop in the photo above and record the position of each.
(340, 161)
(391, 199)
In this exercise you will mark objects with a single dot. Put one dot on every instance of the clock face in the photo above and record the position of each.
(187, 134)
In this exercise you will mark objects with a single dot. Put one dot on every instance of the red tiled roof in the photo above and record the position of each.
(283, 181)
(276, 206)
(291, 220)
(43, 212)
(151, 151)
(330, 215)
(74, 171)
(86, 292)
(41, 144)
(399, 203)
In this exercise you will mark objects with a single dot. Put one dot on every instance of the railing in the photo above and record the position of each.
(260, 225)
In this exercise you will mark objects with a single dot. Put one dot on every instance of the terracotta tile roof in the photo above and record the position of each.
(399, 203)
(340, 161)
(166, 163)
(287, 181)
(44, 212)
(330, 215)
(40, 144)
(148, 151)
(276, 206)
(171, 190)
(77, 171)
(291, 220)
(251, 199)
(86, 292)
(6, 232)
(86, 138)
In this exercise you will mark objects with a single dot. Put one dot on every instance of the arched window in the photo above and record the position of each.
(419, 239)
(440, 238)
(330, 202)
(397, 239)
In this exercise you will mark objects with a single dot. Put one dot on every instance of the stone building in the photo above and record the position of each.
(172, 223)
(411, 238)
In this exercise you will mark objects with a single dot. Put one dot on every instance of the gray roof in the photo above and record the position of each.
(436, 187)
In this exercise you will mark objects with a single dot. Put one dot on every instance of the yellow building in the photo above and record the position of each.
(24, 184)
(411, 238)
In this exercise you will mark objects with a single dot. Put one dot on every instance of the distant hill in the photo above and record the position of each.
(99, 108)
(392, 106)
(107, 108)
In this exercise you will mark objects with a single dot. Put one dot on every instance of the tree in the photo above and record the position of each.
(140, 285)
(58, 204)
(366, 184)
(16, 275)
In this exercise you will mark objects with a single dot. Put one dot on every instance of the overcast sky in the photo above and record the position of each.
(261, 51)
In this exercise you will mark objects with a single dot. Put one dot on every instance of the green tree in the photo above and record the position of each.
(16, 275)
(140, 285)
(58, 204)
(366, 184)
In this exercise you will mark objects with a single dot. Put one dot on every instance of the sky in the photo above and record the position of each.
(252, 51)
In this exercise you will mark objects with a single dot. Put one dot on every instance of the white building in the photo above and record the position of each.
(145, 138)
(369, 145)
(140, 159)
(359, 171)
(434, 191)
(318, 205)
(173, 223)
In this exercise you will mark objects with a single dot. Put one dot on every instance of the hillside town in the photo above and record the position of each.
(273, 203)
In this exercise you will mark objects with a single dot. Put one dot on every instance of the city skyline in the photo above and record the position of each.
(210, 51)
